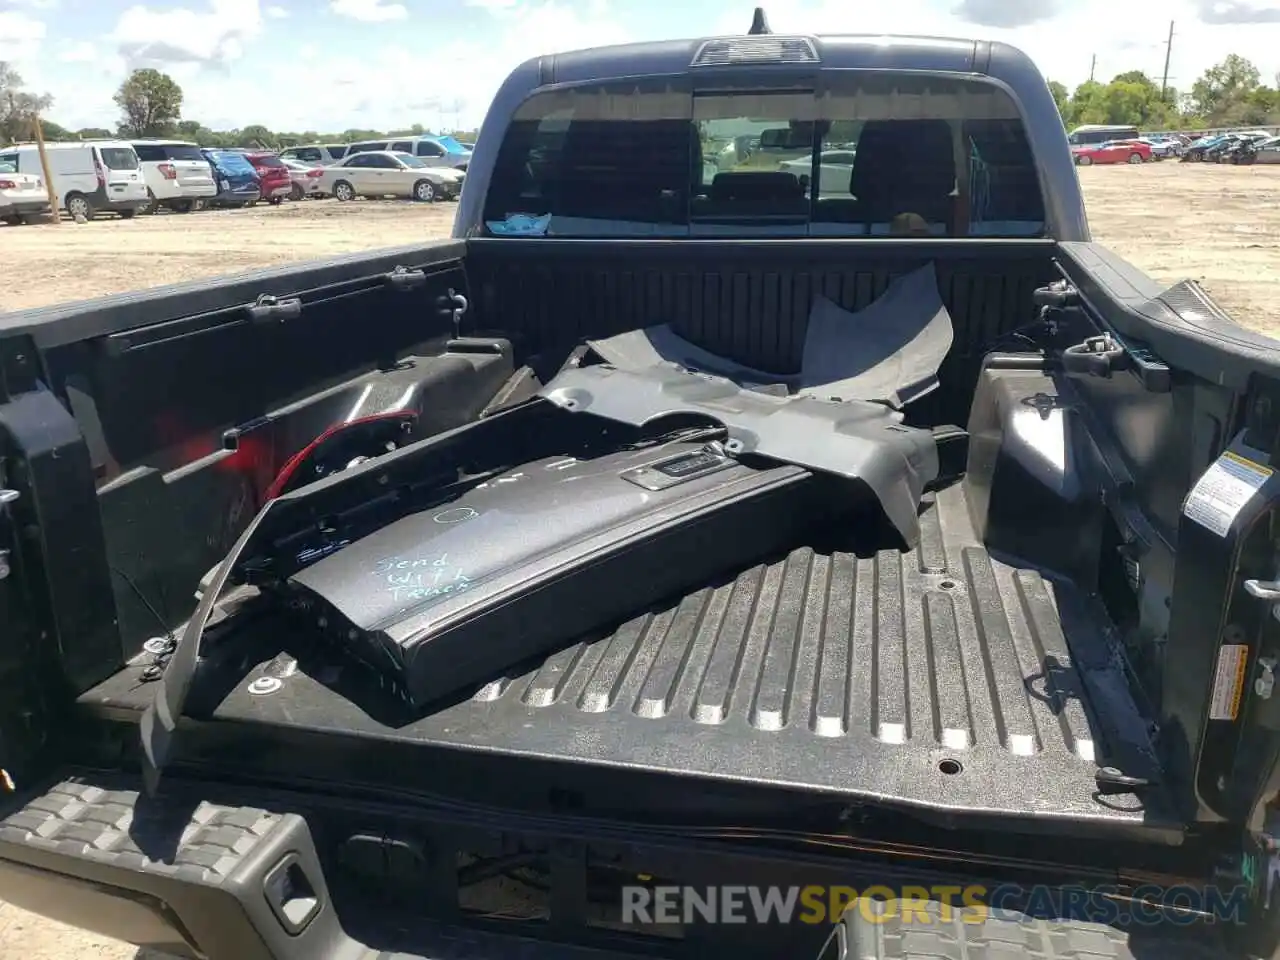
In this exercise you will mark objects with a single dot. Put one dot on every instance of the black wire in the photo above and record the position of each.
(164, 623)
(155, 669)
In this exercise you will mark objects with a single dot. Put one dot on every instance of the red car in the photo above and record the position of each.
(276, 181)
(1113, 151)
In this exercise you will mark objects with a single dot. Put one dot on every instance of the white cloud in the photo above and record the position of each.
(79, 51)
(494, 4)
(276, 13)
(20, 36)
(369, 11)
(29, 4)
(148, 37)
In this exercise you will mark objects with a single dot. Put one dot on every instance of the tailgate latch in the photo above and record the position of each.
(402, 278)
(267, 308)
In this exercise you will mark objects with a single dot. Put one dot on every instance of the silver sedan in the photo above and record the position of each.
(384, 173)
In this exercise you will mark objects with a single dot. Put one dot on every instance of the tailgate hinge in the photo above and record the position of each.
(402, 278)
(268, 308)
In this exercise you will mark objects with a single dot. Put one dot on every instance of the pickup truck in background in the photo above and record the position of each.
(680, 540)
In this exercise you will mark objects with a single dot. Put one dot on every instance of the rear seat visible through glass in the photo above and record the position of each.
(871, 154)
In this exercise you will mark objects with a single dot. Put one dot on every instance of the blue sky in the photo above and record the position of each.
(334, 64)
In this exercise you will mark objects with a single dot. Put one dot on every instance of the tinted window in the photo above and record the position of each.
(366, 147)
(182, 152)
(118, 158)
(337, 152)
(411, 161)
(382, 162)
(402, 146)
(428, 149)
(10, 160)
(149, 153)
(1087, 137)
(272, 162)
(901, 154)
(360, 160)
(6, 167)
(307, 154)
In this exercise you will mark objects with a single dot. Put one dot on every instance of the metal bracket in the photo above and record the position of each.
(1263, 589)
(402, 278)
(1266, 682)
(6, 497)
(268, 308)
(455, 304)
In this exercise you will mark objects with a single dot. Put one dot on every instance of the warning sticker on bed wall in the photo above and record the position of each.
(1221, 493)
(1228, 681)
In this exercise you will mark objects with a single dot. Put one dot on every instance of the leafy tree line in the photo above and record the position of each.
(1228, 94)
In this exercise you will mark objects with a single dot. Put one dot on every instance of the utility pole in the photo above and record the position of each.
(44, 165)
(1168, 52)
(1093, 65)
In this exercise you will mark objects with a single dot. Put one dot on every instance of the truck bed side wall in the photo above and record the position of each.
(111, 432)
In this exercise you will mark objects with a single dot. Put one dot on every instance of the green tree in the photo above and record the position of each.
(93, 133)
(1062, 97)
(1224, 89)
(18, 107)
(256, 135)
(150, 104)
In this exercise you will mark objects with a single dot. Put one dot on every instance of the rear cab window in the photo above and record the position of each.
(268, 161)
(117, 158)
(862, 154)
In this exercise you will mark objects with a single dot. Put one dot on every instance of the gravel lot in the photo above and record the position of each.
(1218, 225)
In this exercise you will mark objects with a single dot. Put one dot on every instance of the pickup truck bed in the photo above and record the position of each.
(918, 678)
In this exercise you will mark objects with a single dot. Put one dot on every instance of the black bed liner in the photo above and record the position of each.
(939, 678)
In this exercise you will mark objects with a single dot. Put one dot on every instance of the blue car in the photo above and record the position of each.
(238, 184)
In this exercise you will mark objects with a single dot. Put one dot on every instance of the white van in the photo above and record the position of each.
(89, 176)
(1089, 134)
(176, 172)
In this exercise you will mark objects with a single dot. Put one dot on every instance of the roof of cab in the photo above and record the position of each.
(865, 51)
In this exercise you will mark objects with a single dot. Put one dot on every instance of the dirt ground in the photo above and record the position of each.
(1217, 225)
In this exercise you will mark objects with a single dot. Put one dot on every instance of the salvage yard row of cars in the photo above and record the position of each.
(1095, 143)
(92, 177)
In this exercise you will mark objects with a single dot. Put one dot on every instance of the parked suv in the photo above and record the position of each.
(321, 153)
(178, 175)
(275, 181)
(89, 176)
(435, 151)
(238, 184)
